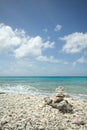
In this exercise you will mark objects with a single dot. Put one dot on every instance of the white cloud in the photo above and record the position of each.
(8, 38)
(50, 59)
(23, 46)
(20, 44)
(80, 60)
(75, 42)
(47, 59)
(48, 44)
(58, 27)
(32, 48)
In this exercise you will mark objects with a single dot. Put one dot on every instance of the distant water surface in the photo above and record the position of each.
(76, 86)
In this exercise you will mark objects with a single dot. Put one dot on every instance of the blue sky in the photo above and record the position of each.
(43, 37)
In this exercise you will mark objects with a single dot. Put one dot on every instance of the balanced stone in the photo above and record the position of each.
(59, 91)
(63, 106)
(57, 99)
(48, 100)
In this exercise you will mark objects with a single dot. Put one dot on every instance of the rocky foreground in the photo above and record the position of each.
(61, 112)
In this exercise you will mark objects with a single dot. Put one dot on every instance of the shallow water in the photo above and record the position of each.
(76, 86)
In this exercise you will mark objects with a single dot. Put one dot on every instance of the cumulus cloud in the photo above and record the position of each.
(8, 38)
(21, 44)
(32, 48)
(48, 44)
(58, 27)
(75, 42)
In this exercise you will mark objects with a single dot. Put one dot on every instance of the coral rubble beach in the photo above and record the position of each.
(24, 112)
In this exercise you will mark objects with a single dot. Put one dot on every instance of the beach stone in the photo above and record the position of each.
(59, 95)
(57, 99)
(79, 121)
(61, 128)
(0, 126)
(2, 92)
(54, 105)
(60, 89)
(41, 128)
(59, 92)
(54, 116)
(58, 102)
(48, 100)
(4, 122)
(63, 106)
(28, 128)
(66, 95)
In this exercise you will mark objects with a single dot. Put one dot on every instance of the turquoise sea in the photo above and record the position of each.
(76, 86)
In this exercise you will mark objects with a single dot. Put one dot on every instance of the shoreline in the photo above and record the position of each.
(24, 112)
(73, 95)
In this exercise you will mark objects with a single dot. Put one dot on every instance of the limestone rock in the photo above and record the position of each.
(63, 106)
(41, 128)
(79, 121)
(0, 126)
(47, 100)
(59, 90)
(58, 102)
(66, 95)
(57, 99)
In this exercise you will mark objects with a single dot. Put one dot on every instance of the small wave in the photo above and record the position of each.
(21, 89)
(83, 95)
(76, 95)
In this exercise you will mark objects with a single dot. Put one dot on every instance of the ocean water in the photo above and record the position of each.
(76, 86)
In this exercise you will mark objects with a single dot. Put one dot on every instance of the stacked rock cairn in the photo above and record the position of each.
(59, 95)
(59, 102)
